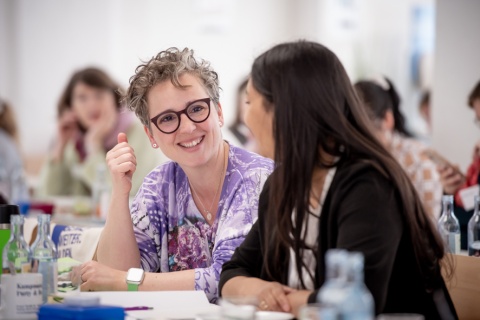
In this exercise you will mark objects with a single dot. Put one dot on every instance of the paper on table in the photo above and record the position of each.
(468, 195)
(166, 304)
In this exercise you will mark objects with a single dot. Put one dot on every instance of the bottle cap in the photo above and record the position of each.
(6, 210)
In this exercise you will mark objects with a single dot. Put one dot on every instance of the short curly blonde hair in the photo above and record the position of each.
(168, 65)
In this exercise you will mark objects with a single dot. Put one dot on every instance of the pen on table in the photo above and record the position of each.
(137, 308)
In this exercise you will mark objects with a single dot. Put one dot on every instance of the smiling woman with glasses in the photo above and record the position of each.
(169, 121)
(191, 213)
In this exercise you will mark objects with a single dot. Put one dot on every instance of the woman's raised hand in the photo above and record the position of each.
(67, 129)
(451, 178)
(99, 130)
(122, 163)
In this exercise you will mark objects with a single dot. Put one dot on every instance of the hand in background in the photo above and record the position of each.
(122, 163)
(67, 129)
(99, 130)
(98, 277)
(451, 178)
(273, 297)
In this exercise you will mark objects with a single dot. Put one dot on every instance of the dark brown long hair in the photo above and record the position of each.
(315, 107)
(92, 77)
(379, 101)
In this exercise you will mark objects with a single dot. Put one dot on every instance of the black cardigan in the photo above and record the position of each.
(361, 212)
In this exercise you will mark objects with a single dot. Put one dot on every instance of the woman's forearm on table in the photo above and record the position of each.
(118, 247)
(243, 286)
(169, 281)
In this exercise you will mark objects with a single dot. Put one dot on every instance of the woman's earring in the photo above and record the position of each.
(154, 145)
(220, 123)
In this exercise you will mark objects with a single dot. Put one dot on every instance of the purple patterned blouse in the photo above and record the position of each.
(171, 233)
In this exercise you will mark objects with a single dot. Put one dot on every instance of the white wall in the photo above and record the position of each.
(457, 70)
(43, 42)
(46, 40)
(374, 38)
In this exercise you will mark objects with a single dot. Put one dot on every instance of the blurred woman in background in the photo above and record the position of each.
(13, 187)
(237, 129)
(383, 107)
(454, 181)
(89, 120)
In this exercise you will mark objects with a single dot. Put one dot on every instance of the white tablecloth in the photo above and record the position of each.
(166, 304)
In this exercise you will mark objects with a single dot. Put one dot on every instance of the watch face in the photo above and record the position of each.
(135, 275)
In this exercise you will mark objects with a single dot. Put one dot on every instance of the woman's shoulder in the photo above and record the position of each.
(358, 170)
(163, 172)
(245, 160)
(161, 181)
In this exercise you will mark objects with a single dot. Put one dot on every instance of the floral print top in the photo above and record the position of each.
(172, 234)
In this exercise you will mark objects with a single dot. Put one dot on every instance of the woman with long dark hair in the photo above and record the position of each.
(335, 186)
(383, 107)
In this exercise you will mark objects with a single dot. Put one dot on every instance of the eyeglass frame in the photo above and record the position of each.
(179, 114)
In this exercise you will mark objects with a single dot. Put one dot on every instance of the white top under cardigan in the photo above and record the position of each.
(310, 240)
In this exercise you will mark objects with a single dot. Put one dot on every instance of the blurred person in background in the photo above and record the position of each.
(190, 213)
(454, 182)
(238, 129)
(13, 187)
(90, 117)
(383, 107)
(334, 186)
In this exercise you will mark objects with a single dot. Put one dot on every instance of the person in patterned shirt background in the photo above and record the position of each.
(191, 213)
(383, 106)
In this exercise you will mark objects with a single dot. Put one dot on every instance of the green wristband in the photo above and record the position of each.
(132, 287)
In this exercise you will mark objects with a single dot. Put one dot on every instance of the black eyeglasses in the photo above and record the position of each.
(169, 121)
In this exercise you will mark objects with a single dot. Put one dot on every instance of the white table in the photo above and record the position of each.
(166, 304)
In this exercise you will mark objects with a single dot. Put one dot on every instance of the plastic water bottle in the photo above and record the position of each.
(16, 255)
(44, 257)
(19, 190)
(474, 231)
(332, 292)
(358, 302)
(448, 226)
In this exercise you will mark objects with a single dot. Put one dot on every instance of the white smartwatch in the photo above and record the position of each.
(134, 278)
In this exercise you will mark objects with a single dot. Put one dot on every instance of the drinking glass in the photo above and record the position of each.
(317, 311)
(238, 308)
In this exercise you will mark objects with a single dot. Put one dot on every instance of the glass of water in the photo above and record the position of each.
(317, 311)
(238, 308)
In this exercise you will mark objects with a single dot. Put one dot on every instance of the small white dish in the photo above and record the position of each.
(272, 315)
